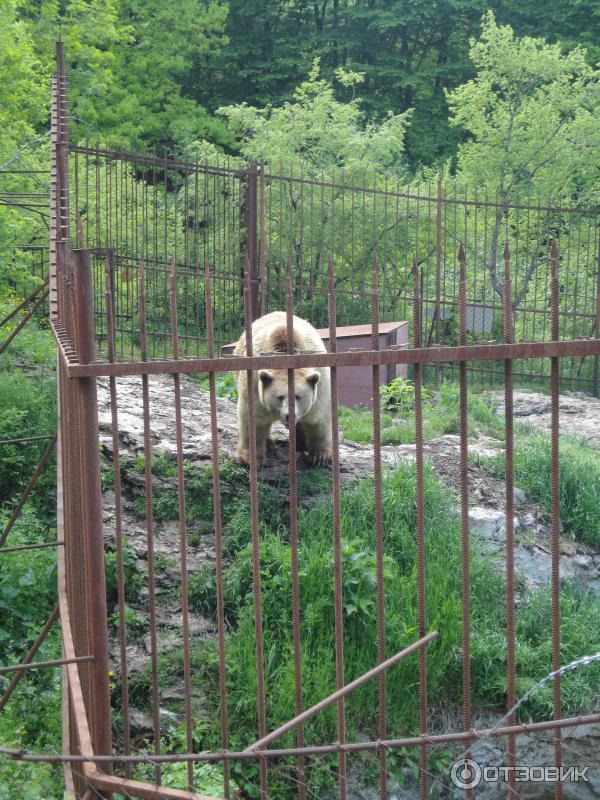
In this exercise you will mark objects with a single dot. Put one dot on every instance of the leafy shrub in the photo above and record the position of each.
(27, 408)
(399, 395)
(133, 579)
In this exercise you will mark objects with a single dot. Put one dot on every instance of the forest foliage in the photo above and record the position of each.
(407, 91)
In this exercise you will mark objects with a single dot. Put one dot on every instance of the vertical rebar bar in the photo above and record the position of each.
(337, 536)
(555, 511)
(438, 268)
(185, 613)
(214, 429)
(256, 580)
(149, 522)
(378, 520)
(510, 527)
(120, 570)
(464, 502)
(293, 511)
(420, 532)
(92, 506)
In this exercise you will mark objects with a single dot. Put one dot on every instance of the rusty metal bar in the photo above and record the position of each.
(438, 269)
(92, 505)
(16, 330)
(432, 740)
(120, 570)
(293, 512)
(25, 302)
(510, 527)
(595, 379)
(145, 791)
(426, 355)
(214, 428)
(39, 546)
(43, 462)
(420, 533)
(149, 523)
(74, 684)
(29, 657)
(256, 579)
(27, 439)
(261, 243)
(185, 616)
(419, 645)
(55, 662)
(464, 505)
(555, 512)
(337, 537)
(378, 528)
(251, 234)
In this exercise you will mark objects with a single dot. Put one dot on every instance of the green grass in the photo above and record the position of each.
(580, 621)
(31, 719)
(441, 416)
(34, 344)
(579, 479)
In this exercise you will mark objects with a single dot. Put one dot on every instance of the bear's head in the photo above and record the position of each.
(273, 391)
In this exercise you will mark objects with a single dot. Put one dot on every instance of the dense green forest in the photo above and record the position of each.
(145, 73)
(405, 90)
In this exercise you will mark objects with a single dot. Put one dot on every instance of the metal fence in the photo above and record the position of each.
(143, 295)
(157, 211)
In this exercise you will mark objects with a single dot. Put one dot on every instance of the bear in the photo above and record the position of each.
(312, 391)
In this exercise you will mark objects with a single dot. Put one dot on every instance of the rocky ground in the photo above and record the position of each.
(579, 414)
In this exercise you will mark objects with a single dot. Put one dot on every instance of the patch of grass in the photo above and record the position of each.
(34, 343)
(135, 623)
(198, 491)
(441, 416)
(580, 619)
(162, 465)
(579, 479)
(133, 579)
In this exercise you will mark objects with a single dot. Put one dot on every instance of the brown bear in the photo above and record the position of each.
(312, 390)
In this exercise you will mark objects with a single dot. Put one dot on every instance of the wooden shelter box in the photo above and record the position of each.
(355, 384)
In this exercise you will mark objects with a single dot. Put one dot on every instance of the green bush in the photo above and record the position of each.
(580, 617)
(399, 395)
(27, 408)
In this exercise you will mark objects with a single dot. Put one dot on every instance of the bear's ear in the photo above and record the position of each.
(313, 379)
(265, 377)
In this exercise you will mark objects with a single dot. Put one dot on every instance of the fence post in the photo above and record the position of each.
(249, 222)
(91, 493)
(597, 323)
(438, 269)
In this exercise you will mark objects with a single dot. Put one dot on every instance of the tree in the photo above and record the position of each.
(532, 118)
(162, 71)
(24, 102)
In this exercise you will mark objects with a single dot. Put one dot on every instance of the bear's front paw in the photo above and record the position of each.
(261, 456)
(244, 457)
(319, 458)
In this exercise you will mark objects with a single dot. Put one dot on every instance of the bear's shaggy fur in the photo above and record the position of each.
(312, 390)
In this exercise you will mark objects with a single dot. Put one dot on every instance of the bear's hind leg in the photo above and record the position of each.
(242, 450)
